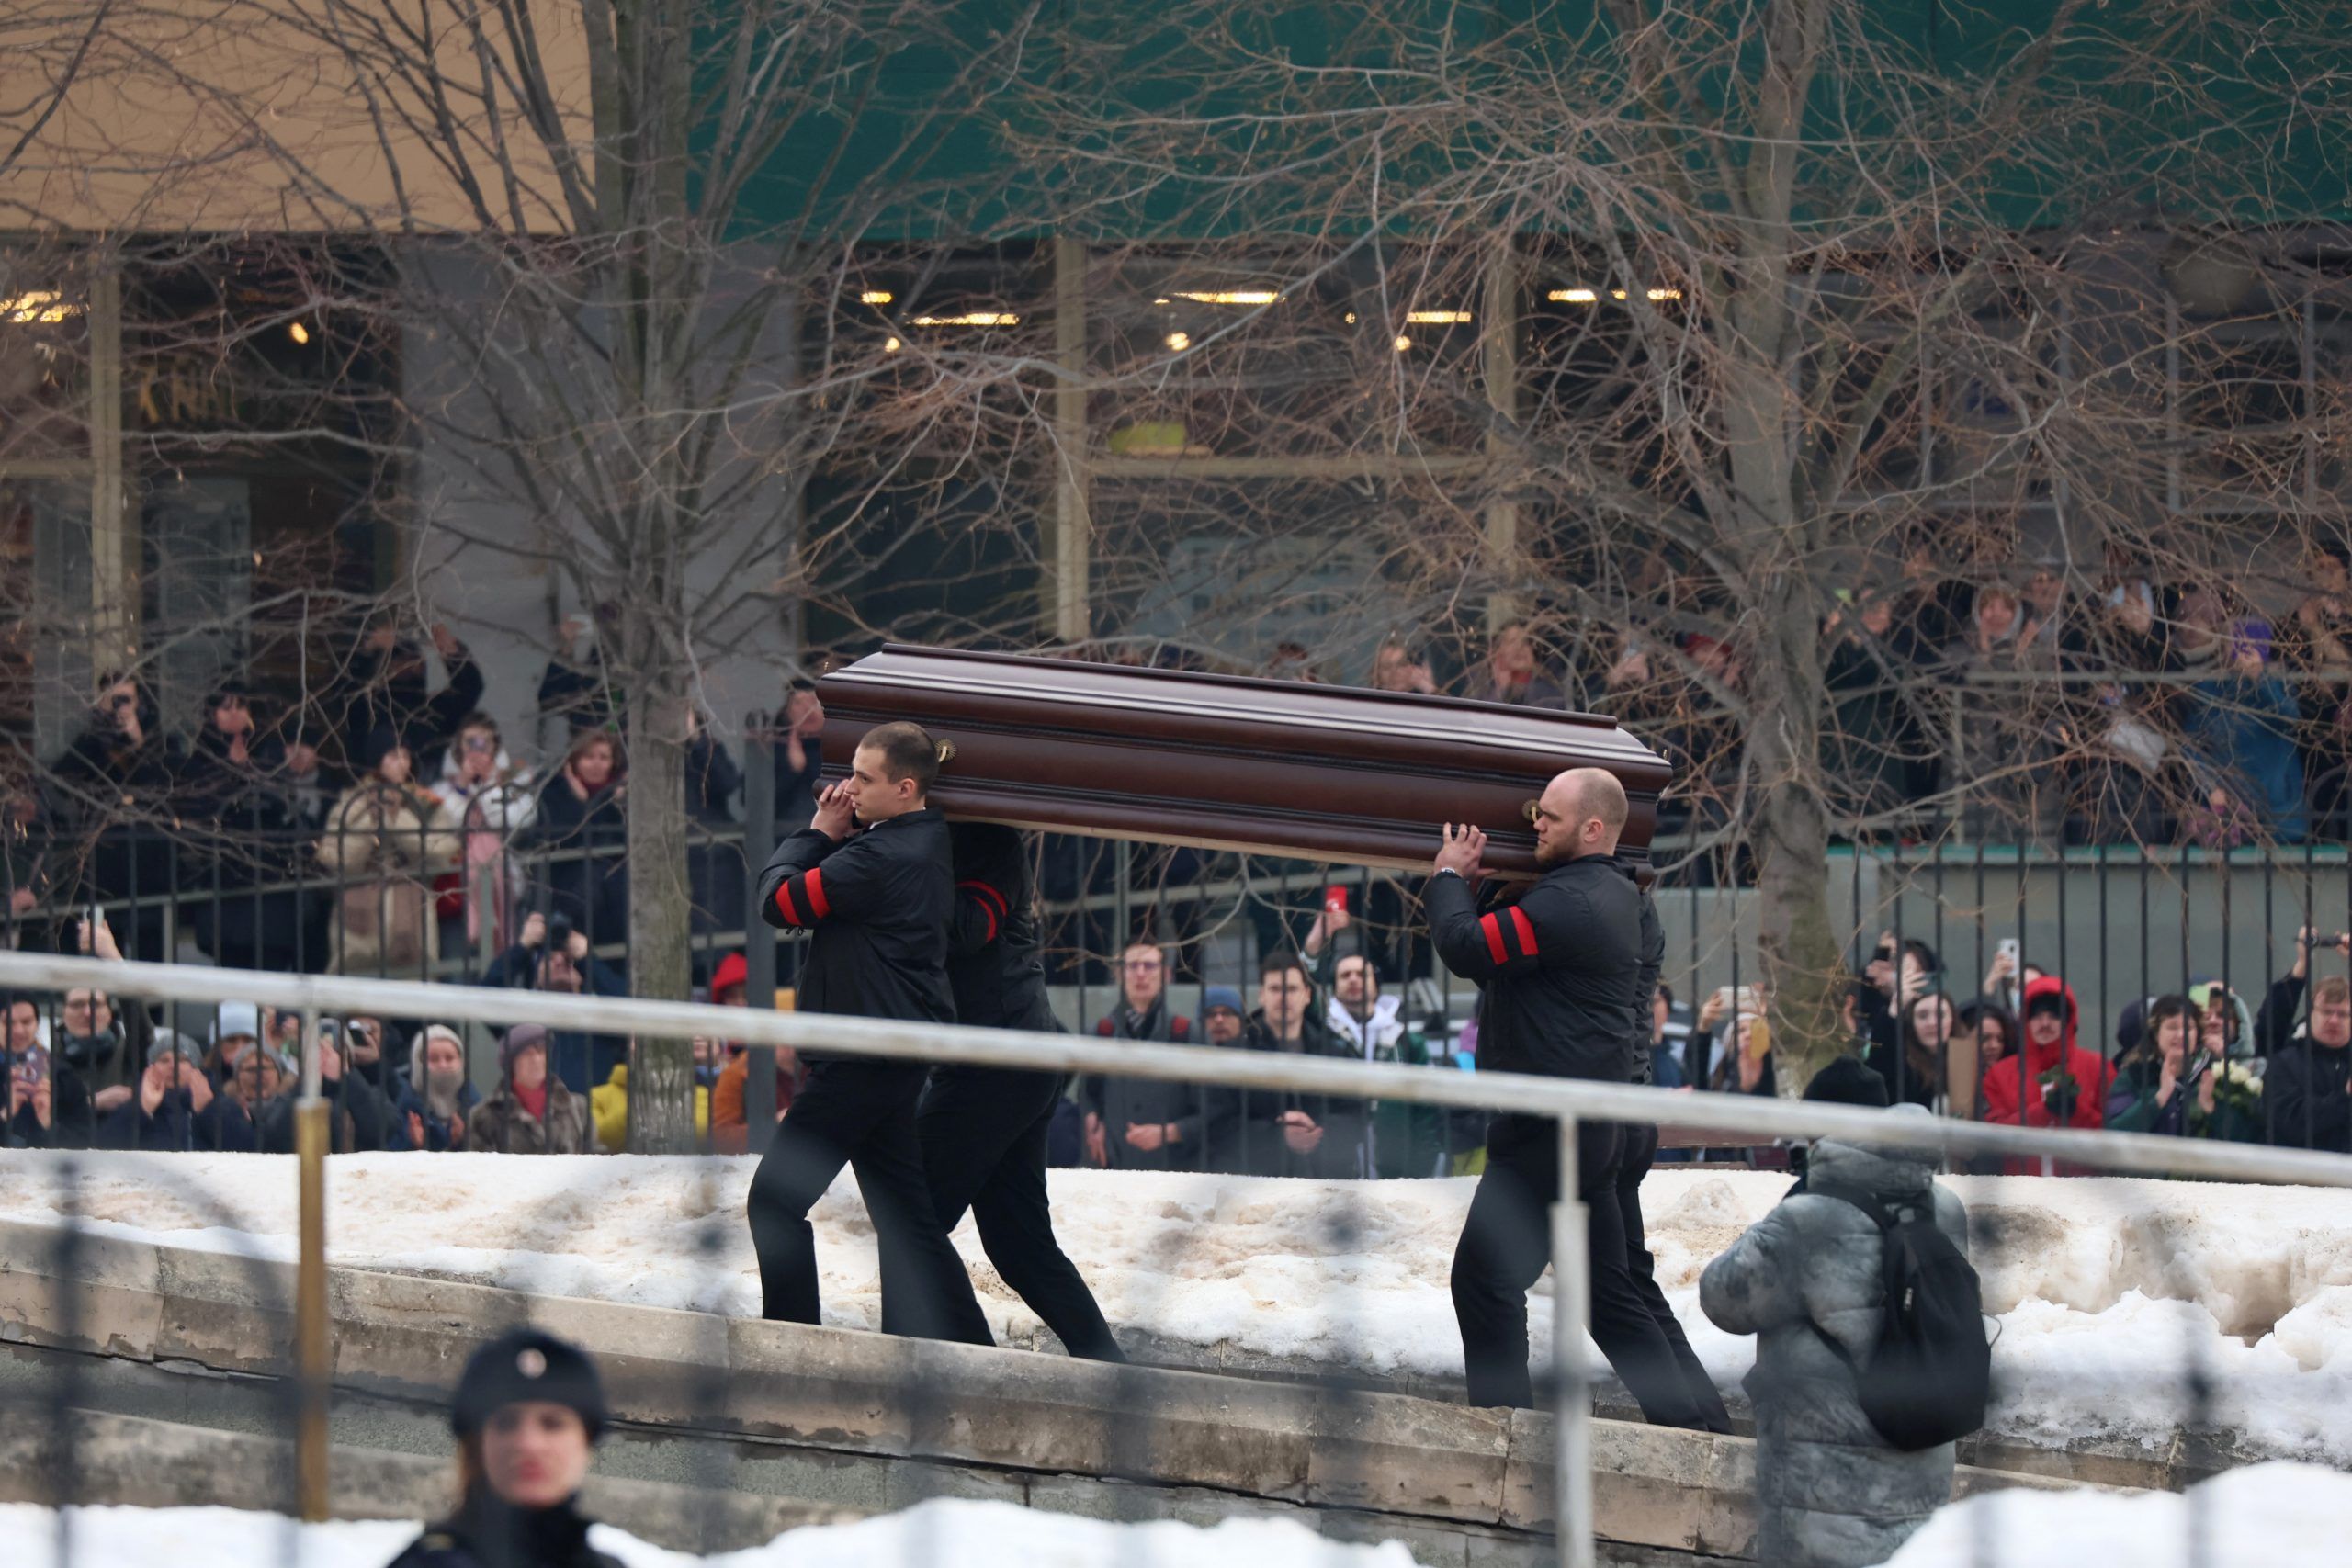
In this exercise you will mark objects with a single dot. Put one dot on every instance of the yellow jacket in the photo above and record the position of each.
(608, 1109)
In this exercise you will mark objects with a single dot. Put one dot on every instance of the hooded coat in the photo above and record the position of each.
(1830, 1491)
(2092, 1076)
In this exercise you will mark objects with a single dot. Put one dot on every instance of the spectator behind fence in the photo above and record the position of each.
(382, 850)
(386, 688)
(531, 1111)
(2241, 725)
(730, 1072)
(2176, 1089)
(1286, 1134)
(1509, 673)
(2053, 1081)
(1920, 1069)
(1871, 735)
(1740, 1040)
(234, 1025)
(553, 957)
(1982, 1033)
(799, 756)
(581, 820)
(2005, 748)
(1145, 1125)
(105, 1044)
(1808, 1280)
(528, 1413)
(2310, 1106)
(172, 1106)
(1402, 1138)
(486, 806)
(435, 1099)
(1397, 667)
(114, 785)
(573, 688)
(261, 1082)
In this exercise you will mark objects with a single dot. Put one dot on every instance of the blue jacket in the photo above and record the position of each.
(2247, 730)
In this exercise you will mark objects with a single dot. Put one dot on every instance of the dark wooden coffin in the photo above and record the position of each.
(1271, 767)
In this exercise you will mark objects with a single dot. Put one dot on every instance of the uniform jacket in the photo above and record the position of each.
(1830, 1492)
(993, 964)
(490, 1535)
(876, 907)
(1559, 971)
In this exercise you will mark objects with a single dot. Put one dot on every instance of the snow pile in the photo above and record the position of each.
(969, 1535)
(2110, 1291)
(2262, 1517)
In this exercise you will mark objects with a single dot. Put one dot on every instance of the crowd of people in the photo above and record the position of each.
(2196, 1063)
(368, 828)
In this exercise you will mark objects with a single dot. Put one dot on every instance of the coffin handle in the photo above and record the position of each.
(1527, 808)
(946, 751)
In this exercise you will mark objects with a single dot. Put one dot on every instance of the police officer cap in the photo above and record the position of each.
(524, 1365)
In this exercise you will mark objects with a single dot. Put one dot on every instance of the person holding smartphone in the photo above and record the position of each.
(2175, 1087)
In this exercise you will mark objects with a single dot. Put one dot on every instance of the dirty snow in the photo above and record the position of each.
(2265, 1516)
(969, 1534)
(2108, 1291)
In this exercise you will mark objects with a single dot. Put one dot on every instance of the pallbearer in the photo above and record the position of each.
(872, 880)
(983, 1129)
(1560, 970)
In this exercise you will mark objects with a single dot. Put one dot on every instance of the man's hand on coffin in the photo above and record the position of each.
(832, 816)
(1462, 851)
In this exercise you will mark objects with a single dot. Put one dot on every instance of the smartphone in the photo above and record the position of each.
(2009, 949)
(1334, 900)
(30, 1067)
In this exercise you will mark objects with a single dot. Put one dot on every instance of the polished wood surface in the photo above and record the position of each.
(1222, 762)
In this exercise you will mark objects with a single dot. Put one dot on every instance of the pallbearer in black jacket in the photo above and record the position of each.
(1561, 971)
(983, 1129)
(876, 903)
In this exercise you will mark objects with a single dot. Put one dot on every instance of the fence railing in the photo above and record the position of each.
(1573, 1103)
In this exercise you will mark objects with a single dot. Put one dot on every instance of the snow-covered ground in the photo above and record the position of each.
(969, 1535)
(2109, 1291)
(2266, 1516)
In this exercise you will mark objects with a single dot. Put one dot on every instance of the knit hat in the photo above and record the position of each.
(1846, 1081)
(170, 1040)
(731, 971)
(524, 1365)
(285, 1061)
(1217, 997)
(235, 1019)
(2132, 1025)
(2052, 1002)
(425, 1037)
(521, 1038)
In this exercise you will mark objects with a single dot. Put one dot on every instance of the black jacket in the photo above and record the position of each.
(992, 963)
(876, 907)
(1560, 971)
(488, 1534)
(1262, 1149)
(1204, 1115)
(2305, 1099)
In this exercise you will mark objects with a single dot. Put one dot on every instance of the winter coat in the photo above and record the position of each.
(877, 906)
(2245, 730)
(1204, 1115)
(2133, 1107)
(489, 1534)
(730, 1096)
(2308, 1106)
(387, 689)
(993, 964)
(383, 848)
(1559, 971)
(220, 1125)
(713, 780)
(587, 872)
(482, 823)
(2093, 1077)
(1261, 1149)
(501, 1125)
(1831, 1493)
(608, 1111)
(409, 1101)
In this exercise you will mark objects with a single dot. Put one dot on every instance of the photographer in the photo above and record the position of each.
(2310, 1103)
(553, 957)
(2179, 1088)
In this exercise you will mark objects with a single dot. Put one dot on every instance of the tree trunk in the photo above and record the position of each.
(1801, 958)
(662, 1072)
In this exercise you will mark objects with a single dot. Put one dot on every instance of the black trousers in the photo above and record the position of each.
(1508, 1240)
(983, 1134)
(861, 1114)
(1637, 1154)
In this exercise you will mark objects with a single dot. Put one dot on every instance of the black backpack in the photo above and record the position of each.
(1928, 1381)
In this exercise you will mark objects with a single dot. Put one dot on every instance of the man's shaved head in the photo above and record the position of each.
(1582, 813)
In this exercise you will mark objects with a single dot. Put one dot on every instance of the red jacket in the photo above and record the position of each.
(2092, 1074)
